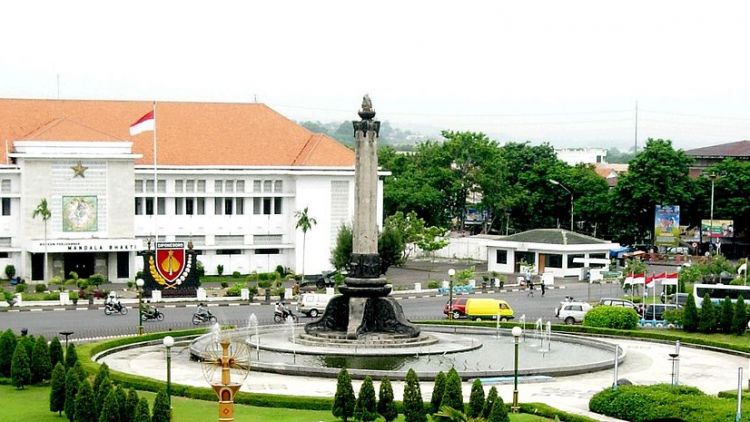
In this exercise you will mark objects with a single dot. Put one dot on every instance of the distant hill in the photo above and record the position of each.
(344, 133)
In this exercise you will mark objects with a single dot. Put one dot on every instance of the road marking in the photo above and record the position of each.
(170, 306)
(235, 304)
(57, 309)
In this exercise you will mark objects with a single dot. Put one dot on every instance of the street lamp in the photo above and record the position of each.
(517, 332)
(168, 342)
(139, 284)
(66, 334)
(555, 182)
(713, 177)
(451, 273)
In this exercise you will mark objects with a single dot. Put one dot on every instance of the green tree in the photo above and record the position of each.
(690, 315)
(102, 373)
(101, 393)
(110, 408)
(142, 413)
(71, 389)
(453, 396)
(726, 315)
(161, 412)
(386, 405)
(131, 403)
(71, 357)
(491, 397)
(305, 223)
(740, 317)
(731, 190)
(28, 343)
(343, 401)
(7, 348)
(41, 368)
(499, 412)
(438, 389)
(390, 248)
(122, 399)
(57, 390)
(45, 214)
(413, 405)
(365, 409)
(55, 352)
(434, 239)
(707, 320)
(411, 229)
(20, 370)
(341, 255)
(476, 399)
(84, 411)
(449, 414)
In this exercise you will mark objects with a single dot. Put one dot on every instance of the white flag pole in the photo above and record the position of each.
(156, 184)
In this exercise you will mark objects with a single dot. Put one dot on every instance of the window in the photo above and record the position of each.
(138, 207)
(240, 186)
(161, 206)
(277, 186)
(139, 185)
(598, 255)
(218, 184)
(189, 202)
(240, 206)
(228, 252)
(149, 206)
(228, 205)
(6, 206)
(149, 185)
(572, 264)
(266, 251)
(162, 186)
(256, 205)
(229, 186)
(201, 202)
(277, 205)
(178, 186)
(3, 254)
(554, 260)
(5, 186)
(218, 206)
(256, 185)
(178, 206)
(501, 256)
(201, 186)
(267, 185)
(190, 186)
(266, 206)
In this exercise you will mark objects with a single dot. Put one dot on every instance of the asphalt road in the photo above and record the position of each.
(93, 323)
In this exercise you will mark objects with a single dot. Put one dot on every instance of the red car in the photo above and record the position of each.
(458, 308)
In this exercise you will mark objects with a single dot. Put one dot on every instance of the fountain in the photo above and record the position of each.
(252, 324)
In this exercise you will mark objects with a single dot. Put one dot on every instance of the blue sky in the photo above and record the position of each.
(565, 72)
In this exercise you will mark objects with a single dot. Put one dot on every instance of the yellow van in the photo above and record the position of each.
(478, 309)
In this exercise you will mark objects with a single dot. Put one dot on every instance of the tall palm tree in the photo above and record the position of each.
(304, 222)
(43, 211)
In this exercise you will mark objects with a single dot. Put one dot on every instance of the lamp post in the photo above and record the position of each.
(517, 332)
(168, 342)
(713, 177)
(555, 182)
(66, 334)
(451, 273)
(139, 284)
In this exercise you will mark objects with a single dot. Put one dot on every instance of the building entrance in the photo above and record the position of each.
(81, 263)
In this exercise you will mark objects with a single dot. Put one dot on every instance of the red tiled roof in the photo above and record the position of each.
(732, 149)
(188, 134)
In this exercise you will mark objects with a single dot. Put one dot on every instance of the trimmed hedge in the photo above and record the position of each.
(546, 411)
(611, 317)
(662, 402)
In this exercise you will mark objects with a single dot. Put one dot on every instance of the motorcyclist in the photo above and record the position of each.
(148, 310)
(114, 302)
(203, 310)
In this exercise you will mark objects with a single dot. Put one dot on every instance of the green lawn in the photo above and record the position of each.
(32, 404)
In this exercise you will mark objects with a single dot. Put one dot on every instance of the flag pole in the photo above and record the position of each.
(156, 183)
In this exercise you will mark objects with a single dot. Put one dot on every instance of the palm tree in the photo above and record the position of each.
(449, 414)
(304, 222)
(43, 211)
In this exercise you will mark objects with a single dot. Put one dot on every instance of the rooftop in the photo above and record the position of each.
(732, 149)
(553, 236)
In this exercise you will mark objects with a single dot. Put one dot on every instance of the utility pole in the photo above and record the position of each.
(636, 128)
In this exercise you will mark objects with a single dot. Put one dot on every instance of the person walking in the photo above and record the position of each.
(542, 286)
(530, 284)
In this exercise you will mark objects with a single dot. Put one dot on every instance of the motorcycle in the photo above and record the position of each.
(110, 308)
(281, 315)
(207, 316)
(155, 314)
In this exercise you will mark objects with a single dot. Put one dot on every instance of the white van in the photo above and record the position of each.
(313, 304)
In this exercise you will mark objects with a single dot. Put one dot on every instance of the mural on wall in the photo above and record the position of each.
(79, 213)
(170, 267)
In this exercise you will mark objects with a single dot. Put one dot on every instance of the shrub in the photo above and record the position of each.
(433, 284)
(476, 399)
(57, 281)
(57, 392)
(235, 290)
(220, 269)
(264, 284)
(161, 407)
(413, 404)
(82, 284)
(739, 323)
(142, 413)
(386, 405)
(21, 288)
(726, 315)
(71, 389)
(707, 319)
(71, 357)
(41, 369)
(236, 274)
(611, 317)
(366, 407)
(97, 279)
(453, 396)
(199, 268)
(690, 315)
(10, 271)
(281, 270)
(341, 255)
(8, 343)
(673, 316)
(84, 411)
(40, 288)
(489, 402)
(55, 352)
(224, 284)
(343, 400)
(110, 408)
(438, 389)
(499, 412)
(20, 370)
(252, 277)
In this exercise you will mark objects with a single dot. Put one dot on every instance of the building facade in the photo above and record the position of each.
(227, 177)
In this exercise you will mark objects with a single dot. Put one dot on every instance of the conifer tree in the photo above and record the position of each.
(130, 405)
(85, 412)
(122, 403)
(57, 391)
(739, 323)
(20, 369)
(8, 343)
(71, 389)
(142, 413)
(100, 375)
(413, 405)
(491, 397)
(101, 393)
(110, 408)
(161, 407)
(365, 409)
(453, 396)
(476, 400)
(55, 352)
(71, 357)
(690, 315)
(707, 320)
(41, 368)
(726, 315)
(343, 401)
(499, 412)
(386, 405)
(437, 392)
(29, 342)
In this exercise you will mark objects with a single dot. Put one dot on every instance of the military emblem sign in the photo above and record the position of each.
(170, 265)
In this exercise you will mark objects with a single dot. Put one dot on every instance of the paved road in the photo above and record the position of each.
(93, 323)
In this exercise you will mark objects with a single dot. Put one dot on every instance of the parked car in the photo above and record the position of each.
(572, 312)
(606, 301)
(326, 279)
(655, 312)
(458, 308)
(313, 304)
(479, 309)
(675, 298)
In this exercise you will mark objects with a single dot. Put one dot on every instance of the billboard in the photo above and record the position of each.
(720, 228)
(667, 225)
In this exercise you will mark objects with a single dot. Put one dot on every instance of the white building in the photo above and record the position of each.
(229, 177)
(573, 156)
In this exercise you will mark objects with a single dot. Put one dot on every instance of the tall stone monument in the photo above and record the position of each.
(364, 307)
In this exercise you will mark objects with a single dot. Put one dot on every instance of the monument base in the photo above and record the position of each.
(378, 315)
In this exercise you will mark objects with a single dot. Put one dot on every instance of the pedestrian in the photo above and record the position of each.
(530, 283)
(542, 284)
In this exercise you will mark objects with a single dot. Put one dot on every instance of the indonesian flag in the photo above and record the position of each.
(144, 124)
(639, 278)
(660, 277)
(629, 279)
(650, 281)
(670, 280)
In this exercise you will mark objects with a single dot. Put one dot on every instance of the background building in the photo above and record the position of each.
(229, 177)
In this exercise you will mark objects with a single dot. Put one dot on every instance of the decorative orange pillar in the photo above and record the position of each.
(226, 389)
